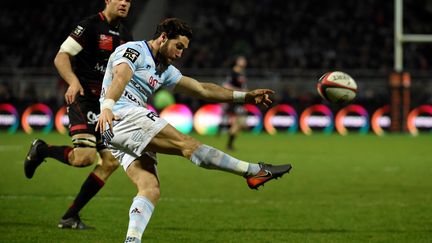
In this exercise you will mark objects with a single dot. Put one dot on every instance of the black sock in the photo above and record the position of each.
(59, 153)
(88, 190)
(231, 141)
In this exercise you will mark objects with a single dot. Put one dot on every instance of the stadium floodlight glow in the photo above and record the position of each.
(381, 120)
(179, 116)
(30, 119)
(345, 118)
(317, 116)
(149, 107)
(420, 118)
(254, 119)
(207, 119)
(9, 117)
(281, 117)
(61, 120)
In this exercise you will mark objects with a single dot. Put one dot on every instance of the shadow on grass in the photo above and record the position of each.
(41, 226)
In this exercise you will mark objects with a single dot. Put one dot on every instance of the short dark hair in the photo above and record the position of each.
(173, 27)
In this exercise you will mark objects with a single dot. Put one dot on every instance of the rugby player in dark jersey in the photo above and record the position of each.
(89, 45)
(235, 112)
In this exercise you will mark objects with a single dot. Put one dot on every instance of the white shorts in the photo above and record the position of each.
(132, 133)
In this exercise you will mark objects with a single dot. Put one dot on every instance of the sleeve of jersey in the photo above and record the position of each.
(82, 33)
(129, 55)
(173, 76)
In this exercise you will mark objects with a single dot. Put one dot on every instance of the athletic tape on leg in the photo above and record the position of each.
(211, 158)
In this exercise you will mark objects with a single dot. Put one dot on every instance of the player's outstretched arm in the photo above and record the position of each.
(205, 91)
(259, 96)
(214, 92)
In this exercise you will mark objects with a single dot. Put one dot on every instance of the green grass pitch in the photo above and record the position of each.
(357, 188)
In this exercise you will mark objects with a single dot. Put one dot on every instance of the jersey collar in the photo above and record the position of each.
(102, 16)
(104, 19)
(150, 51)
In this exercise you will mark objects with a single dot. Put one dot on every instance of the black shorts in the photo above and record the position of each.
(236, 109)
(83, 116)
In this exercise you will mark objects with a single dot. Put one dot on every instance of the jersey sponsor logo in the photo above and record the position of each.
(131, 97)
(78, 31)
(138, 87)
(114, 32)
(91, 117)
(151, 115)
(100, 68)
(131, 54)
(153, 82)
(105, 42)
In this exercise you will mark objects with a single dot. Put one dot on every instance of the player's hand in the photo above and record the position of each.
(259, 96)
(72, 91)
(106, 117)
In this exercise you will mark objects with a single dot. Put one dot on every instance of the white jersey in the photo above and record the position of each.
(144, 81)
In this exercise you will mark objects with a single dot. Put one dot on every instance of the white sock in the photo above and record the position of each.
(139, 216)
(211, 158)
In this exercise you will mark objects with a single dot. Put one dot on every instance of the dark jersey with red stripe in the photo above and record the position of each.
(237, 80)
(98, 39)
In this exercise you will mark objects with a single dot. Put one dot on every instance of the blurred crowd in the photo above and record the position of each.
(32, 34)
(271, 33)
(307, 34)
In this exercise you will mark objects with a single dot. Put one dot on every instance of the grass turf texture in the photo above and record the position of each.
(341, 189)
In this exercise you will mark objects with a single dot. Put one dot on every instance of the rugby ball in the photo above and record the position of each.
(337, 87)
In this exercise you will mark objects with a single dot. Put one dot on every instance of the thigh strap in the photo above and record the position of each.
(84, 142)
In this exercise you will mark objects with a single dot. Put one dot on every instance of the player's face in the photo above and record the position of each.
(173, 49)
(118, 8)
(241, 62)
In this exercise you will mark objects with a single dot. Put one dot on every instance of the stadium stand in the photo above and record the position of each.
(32, 34)
(283, 40)
(280, 34)
(304, 34)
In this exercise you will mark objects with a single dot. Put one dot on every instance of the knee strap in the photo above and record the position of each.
(84, 142)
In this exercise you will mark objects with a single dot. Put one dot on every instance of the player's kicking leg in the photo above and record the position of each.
(266, 173)
(171, 141)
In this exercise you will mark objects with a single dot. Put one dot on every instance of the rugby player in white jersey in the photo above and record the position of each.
(135, 134)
